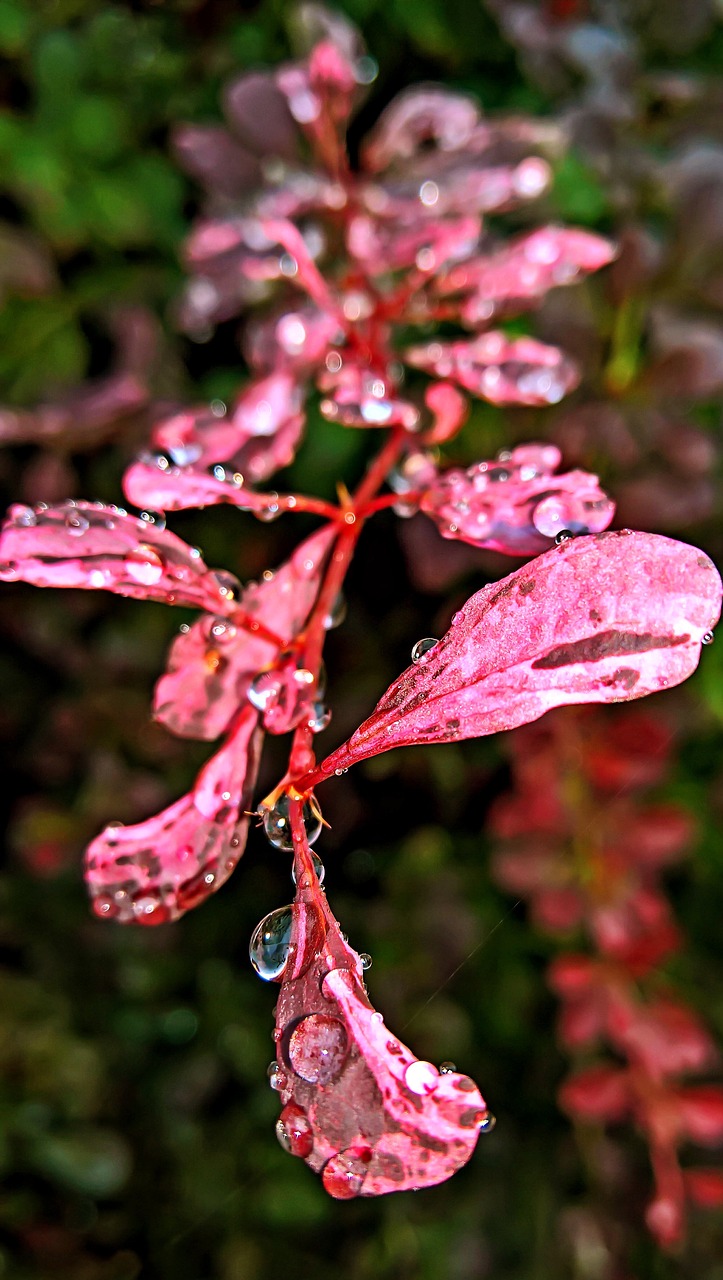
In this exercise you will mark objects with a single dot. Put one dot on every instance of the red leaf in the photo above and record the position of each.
(211, 666)
(358, 1107)
(598, 1093)
(500, 369)
(517, 506)
(705, 1187)
(87, 544)
(599, 619)
(157, 870)
(701, 1113)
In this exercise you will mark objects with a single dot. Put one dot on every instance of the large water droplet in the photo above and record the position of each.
(446, 1068)
(318, 1048)
(422, 647)
(707, 638)
(76, 523)
(343, 1176)
(421, 1077)
(143, 564)
(336, 614)
(270, 943)
(294, 1131)
(320, 718)
(563, 536)
(277, 823)
(366, 960)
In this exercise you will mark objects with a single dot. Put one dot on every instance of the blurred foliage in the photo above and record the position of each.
(136, 1125)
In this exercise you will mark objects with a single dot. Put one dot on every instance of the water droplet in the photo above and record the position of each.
(421, 1077)
(487, 1122)
(143, 564)
(184, 628)
(227, 585)
(156, 518)
(336, 614)
(377, 1016)
(318, 1048)
(270, 942)
(294, 1131)
(563, 536)
(446, 1068)
(319, 868)
(320, 719)
(422, 647)
(76, 523)
(707, 638)
(343, 1176)
(23, 517)
(366, 960)
(277, 824)
(277, 1076)
(9, 571)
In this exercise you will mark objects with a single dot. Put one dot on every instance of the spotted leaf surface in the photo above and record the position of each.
(517, 506)
(604, 618)
(500, 369)
(155, 871)
(87, 544)
(212, 665)
(358, 1106)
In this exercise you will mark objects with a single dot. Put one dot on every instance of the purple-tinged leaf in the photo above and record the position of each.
(524, 271)
(157, 870)
(215, 159)
(258, 112)
(86, 544)
(212, 664)
(358, 1107)
(500, 369)
(517, 505)
(604, 618)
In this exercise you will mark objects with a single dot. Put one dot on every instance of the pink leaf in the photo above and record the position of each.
(524, 271)
(157, 870)
(215, 159)
(86, 544)
(500, 369)
(604, 618)
(358, 1107)
(418, 117)
(211, 666)
(701, 1113)
(450, 409)
(295, 339)
(664, 1039)
(518, 505)
(361, 397)
(405, 240)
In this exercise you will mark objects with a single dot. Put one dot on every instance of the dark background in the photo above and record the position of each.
(136, 1123)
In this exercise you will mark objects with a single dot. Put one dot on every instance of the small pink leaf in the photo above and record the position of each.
(211, 666)
(295, 339)
(417, 117)
(701, 1113)
(604, 618)
(517, 506)
(599, 1093)
(86, 544)
(500, 369)
(157, 870)
(450, 409)
(358, 1107)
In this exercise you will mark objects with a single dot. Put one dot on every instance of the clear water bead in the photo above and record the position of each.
(563, 536)
(487, 1122)
(366, 960)
(446, 1068)
(270, 943)
(422, 647)
(320, 718)
(277, 1076)
(277, 823)
(707, 638)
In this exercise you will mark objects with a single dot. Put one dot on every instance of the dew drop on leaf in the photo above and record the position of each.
(270, 942)
(422, 647)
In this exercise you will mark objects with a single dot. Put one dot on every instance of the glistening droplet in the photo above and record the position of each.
(487, 1122)
(421, 1077)
(270, 943)
(423, 647)
(277, 823)
(343, 1176)
(294, 1131)
(319, 868)
(318, 1048)
(366, 960)
(144, 565)
(276, 1075)
(707, 638)
(563, 536)
(446, 1068)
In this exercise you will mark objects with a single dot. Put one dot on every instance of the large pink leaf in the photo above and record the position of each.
(212, 664)
(604, 618)
(87, 544)
(157, 870)
(500, 369)
(517, 505)
(358, 1107)
(524, 271)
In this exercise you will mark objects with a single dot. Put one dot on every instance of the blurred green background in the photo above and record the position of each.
(136, 1123)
